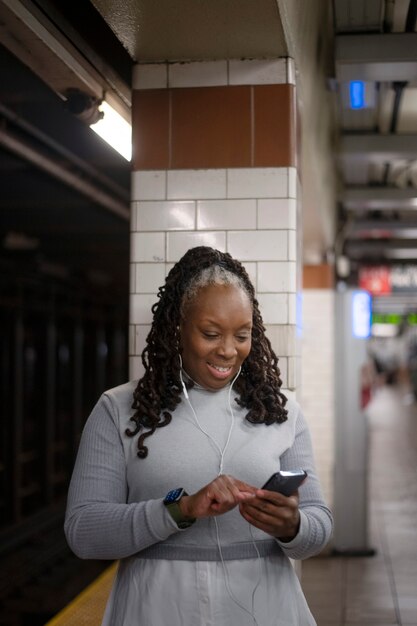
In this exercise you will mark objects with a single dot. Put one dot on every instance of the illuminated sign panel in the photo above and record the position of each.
(375, 279)
(382, 279)
(361, 314)
(357, 94)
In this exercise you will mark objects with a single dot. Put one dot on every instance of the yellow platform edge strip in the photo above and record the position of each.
(83, 597)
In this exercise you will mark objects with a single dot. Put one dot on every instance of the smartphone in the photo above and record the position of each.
(285, 481)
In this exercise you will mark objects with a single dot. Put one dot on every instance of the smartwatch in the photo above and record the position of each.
(171, 501)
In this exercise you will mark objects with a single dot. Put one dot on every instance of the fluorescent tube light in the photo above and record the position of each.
(114, 129)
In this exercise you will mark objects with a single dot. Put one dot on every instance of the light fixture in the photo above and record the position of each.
(357, 94)
(114, 129)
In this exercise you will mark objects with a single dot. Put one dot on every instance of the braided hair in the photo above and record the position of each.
(159, 390)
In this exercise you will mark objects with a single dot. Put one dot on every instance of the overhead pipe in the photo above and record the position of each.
(91, 191)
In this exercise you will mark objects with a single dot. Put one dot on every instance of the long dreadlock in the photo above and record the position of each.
(159, 391)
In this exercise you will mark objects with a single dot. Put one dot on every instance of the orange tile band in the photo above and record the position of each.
(214, 127)
(318, 277)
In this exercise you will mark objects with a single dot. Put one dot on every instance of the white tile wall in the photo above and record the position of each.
(244, 211)
(282, 338)
(150, 76)
(292, 245)
(196, 184)
(212, 73)
(149, 277)
(292, 308)
(292, 182)
(179, 243)
(258, 245)
(226, 214)
(197, 74)
(252, 270)
(132, 278)
(164, 215)
(273, 307)
(140, 308)
(257, 182)
(292, 372)
(277, 213)
(147, 247)
(317, 379)
(136, 369)
(277, 277)
(131, 339)
(141, 333)
(257, 72)
(148, 185)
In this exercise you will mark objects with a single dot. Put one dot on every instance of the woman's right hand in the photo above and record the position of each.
(221, 495)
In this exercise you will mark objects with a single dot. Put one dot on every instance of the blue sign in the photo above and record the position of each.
(357, 94)
(361, 314)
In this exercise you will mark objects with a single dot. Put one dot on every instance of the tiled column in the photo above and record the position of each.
(214, 163)
(317, 367)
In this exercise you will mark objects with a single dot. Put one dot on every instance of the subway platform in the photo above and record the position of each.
(348, 591)
(382, 589)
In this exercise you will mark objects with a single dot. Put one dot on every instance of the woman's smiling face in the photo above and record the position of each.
(216, 335)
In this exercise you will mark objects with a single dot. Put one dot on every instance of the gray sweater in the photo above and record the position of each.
(115, 501)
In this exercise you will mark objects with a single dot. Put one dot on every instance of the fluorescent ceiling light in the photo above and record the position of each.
(114, 129)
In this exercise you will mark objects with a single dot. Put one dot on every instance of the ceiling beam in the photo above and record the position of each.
(380, 247)
(377, 57)
(376, 245)
(379, 198)
(378, 147)
(382, 230)
(358, 15)
(72, 179)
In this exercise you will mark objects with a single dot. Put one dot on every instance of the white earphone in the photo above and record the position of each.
(184, 388)
(222, 452)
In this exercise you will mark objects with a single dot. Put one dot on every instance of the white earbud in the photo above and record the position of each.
(184, 388)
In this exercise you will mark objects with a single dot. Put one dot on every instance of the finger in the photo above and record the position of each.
(223, 491)
(239, 490)
(278, 499)
(264, 514)
(272, 496)
(271, 529)
(245, 487)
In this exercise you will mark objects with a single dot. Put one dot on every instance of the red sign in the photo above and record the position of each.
(376, 280)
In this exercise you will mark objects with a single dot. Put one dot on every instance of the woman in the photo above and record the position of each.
(169, 470)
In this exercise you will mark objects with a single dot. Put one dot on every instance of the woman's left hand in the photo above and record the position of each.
(273, 513)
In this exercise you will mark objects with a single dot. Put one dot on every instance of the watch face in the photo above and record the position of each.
(173, 495)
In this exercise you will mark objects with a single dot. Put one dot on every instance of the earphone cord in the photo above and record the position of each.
(222, 453)
(226, 577)
(212, 439)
